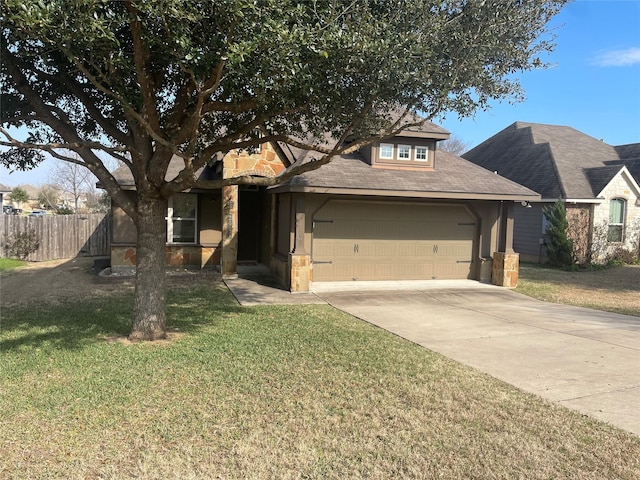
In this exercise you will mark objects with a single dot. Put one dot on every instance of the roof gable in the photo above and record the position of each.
(513, 154)
(600, 177)
(556, 161)
(623, 172)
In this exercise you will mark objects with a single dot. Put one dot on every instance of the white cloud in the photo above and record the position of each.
(618, 58)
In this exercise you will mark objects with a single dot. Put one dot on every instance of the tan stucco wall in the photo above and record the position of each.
(124, 230)
(210, 219)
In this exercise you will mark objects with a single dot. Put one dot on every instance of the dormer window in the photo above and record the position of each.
(405, 153)
(422, 154)
(386, 151)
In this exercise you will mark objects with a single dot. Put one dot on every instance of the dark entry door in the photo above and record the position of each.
(249, 221)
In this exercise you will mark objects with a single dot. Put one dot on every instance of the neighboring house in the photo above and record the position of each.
(399, 210)
(597, 182)
(32, 193)
(4, 193)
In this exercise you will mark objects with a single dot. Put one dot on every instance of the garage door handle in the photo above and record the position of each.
(317, 262)
(356, 248)
(464, 261)
(435, 249)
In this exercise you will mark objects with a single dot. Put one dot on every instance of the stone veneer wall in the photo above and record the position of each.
(505, 269)
(619, 188)
(300, 273)
(124, 258)
(265, 163)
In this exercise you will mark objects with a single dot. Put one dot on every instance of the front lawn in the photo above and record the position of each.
(615, 289)
(11, 264)
(269, 392)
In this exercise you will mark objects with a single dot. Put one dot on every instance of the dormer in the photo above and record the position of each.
(411, 149)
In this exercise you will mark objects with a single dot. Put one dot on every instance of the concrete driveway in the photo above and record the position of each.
(583, 359)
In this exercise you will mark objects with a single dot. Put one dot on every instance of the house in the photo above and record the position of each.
(597, 182)
(4, 193)
(397, 210)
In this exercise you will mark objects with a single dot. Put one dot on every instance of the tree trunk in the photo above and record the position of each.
(149, 311)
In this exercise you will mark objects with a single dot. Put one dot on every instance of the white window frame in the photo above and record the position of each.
(402, 148)
(418, 148)
(620, 224)
(171, 220)
(386, 145)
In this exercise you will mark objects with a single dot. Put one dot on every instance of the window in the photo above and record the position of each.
(422, 154)
(386, 150)
(616, 220)
(404, 152)
(181, 218)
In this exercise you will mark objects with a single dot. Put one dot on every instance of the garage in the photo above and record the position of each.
(358, 240)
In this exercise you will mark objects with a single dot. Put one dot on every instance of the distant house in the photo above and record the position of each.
(4, 193)
(597, 182)
(32, 192)
(397, 210)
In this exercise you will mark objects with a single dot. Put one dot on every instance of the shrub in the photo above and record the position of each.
(560, 248)
(22, 244)
(622, 256)
(64, 210)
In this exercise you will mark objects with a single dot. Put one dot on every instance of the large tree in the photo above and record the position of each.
(147, 80)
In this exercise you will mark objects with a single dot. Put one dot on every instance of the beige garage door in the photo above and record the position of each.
(391, 241)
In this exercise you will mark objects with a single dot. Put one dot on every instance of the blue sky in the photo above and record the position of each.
(593, 85)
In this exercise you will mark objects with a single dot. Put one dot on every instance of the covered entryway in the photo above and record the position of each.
(356, 240)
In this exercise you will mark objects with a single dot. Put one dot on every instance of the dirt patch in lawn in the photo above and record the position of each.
(57, 280)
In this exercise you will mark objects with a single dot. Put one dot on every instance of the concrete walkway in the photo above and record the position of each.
(583, 359)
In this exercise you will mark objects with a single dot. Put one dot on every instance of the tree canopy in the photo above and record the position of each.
(19, 195)
(146, 80)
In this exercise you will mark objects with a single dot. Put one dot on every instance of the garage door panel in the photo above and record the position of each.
(459, 251)
(391, 241)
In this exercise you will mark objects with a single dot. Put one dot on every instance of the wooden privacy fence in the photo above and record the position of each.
(61, 236)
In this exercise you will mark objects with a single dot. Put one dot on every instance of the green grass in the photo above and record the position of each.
(615, 289)
(269, 392)
(11, 264)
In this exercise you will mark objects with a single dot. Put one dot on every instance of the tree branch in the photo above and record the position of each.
(141, 60)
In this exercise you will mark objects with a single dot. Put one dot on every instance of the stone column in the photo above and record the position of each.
(229, 259)
(505, 268)
(299, 259)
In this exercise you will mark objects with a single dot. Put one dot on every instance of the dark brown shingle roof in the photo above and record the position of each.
(630, 151)
(124, 177)
(452, 177)
(556, 161)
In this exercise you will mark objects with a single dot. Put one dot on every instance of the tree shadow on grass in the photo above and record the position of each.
(76, 324)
